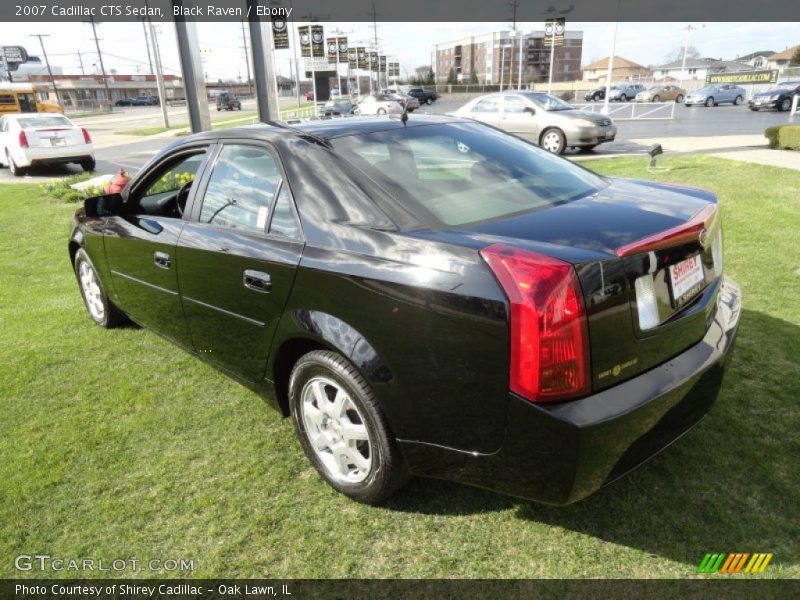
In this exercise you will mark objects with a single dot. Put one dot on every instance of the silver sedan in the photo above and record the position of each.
(551, 122)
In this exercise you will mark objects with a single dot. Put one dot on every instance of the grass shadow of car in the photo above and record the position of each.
(732, 484)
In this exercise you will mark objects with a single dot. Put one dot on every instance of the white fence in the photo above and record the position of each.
(634, 111)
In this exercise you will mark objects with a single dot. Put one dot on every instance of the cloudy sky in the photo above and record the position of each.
(410, 43)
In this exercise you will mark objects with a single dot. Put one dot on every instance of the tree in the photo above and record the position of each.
(473, 78)
(676, 54)
(795, 60)
(451, 76)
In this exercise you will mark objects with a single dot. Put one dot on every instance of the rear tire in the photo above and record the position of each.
(381, 111)
(737, 101)
(679, 98)
(553, 140)
(429, 101)
(100, 308)
(12, 166)
(88, 165)
(342, 428)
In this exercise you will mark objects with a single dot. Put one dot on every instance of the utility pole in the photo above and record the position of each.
(688, 29)
(80, 62)
(46, 62)
(374, 16)
(162, 90)
(246, 59)
(147, 45)
(296, 59)
(514, 5)
(611, 61)
(102, 66)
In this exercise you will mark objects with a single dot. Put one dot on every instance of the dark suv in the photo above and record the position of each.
(424, 96)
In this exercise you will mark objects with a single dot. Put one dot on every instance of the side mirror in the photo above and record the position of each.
(530, 109)
(107, 205)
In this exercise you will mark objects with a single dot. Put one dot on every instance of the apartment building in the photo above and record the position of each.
(494, 56)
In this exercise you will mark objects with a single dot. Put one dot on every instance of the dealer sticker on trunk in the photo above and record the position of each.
(686, 279)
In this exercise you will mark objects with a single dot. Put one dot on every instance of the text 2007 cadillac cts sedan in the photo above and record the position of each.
(432, 298)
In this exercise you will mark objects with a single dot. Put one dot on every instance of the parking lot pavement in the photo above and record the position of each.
(695, 121)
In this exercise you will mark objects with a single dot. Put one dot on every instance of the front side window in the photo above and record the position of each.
(241, 189)
(514, 104)
(176, 176)
(487, 105)
(465, 172)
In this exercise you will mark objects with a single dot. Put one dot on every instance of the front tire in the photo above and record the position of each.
(679, 98)
(101, 310)
(656, 98)
(553, 140)
(710, 102)
(786, 105)
(381, 111)
(429, 101)
(342, 428)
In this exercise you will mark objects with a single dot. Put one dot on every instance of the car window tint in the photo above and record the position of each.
(487, 105)
(513, 104)
(241, 188)
(465, 173)
(283, 221)
(373, 152)
(175, 177)
(59, 121)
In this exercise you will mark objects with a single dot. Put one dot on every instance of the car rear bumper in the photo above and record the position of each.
(55, 155)
(561, 453)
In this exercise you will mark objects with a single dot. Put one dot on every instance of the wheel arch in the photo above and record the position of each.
(309, 330)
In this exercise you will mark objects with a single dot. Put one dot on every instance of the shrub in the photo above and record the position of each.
(59, 189)
(786, 137)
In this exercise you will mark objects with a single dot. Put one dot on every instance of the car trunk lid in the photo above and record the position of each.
(662, 237)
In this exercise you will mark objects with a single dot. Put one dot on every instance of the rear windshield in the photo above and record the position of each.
(460, 173)
(54, 121)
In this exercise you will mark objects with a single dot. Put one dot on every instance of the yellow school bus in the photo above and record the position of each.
(21, 97)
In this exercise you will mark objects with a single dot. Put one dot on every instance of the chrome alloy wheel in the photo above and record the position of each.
(551, 141)
(91, 291)
(336, 430)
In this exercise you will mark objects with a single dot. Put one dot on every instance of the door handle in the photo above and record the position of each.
(257, 281)
(162, 260)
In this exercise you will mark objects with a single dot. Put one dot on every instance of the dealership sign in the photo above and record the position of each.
(767, 76)
(554, 32)
(13, 56)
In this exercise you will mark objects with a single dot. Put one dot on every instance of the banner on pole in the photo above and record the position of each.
(280, 33)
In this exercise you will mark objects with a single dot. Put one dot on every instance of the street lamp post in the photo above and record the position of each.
(688, 29)
(611, 61)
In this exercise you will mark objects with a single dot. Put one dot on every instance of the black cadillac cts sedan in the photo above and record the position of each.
(433, 298)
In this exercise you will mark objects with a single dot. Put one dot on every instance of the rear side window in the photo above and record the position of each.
(241, 189)
(487, 105)
(463, 173)
(283, 221)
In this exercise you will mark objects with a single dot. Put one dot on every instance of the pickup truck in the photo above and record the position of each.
(424, 96)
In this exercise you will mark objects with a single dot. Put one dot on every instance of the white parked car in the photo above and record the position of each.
(30, 139)
(378, 104)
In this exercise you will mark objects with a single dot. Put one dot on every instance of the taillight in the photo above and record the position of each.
(23, 140)
(549, 333)
(86, 137)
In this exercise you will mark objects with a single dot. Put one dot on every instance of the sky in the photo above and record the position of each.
(409, 43)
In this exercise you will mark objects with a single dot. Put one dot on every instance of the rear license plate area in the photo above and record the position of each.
(58, 141)
(686, 280)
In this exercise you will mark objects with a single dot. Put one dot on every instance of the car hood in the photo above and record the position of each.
(772, 92)
(577, 113)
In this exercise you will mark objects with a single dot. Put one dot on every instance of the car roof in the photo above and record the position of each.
(29, 115)
(323, 128)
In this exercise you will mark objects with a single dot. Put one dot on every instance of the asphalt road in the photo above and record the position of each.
(694, 121)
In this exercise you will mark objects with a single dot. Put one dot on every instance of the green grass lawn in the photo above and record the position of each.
(116, 444)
